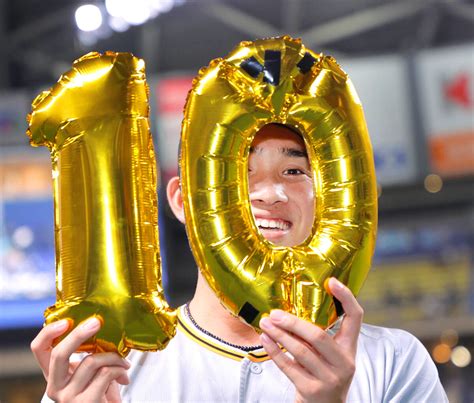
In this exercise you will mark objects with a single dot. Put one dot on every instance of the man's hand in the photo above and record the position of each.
(322, 366)
(94, 379)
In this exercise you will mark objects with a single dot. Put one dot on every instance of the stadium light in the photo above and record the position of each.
(88, 17)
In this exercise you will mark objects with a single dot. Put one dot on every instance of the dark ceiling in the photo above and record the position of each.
(39, 38)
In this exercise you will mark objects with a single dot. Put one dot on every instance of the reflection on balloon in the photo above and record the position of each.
(277, 80)
(95, 123)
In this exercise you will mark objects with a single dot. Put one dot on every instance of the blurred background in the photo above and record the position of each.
(412, 63)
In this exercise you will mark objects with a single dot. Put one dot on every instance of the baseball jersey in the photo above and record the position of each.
(391, 366)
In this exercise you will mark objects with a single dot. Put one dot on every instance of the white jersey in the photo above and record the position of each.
(391, 366)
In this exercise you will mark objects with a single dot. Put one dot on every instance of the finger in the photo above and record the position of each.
(295, 372)
(59, 365)
(113, 393)
(89, 367)
(317, 338)
(42, 344)
(102, 381)
(350, 327)
(301, 352)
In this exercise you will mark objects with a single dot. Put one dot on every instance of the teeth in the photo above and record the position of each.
(272, 224)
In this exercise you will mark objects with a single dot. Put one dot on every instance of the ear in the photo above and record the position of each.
(175, 199)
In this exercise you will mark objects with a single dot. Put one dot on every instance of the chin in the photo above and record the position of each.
(285, 242)
(282, 239)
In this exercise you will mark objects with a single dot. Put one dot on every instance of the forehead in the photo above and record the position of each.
(277, 136)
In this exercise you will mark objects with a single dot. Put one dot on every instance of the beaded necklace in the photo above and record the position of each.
(243, 348)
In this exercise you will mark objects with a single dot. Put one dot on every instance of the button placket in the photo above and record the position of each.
(255, 368)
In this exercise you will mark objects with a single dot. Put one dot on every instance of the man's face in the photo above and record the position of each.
(281, 186)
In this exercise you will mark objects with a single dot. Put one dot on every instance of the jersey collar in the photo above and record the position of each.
(190, 330)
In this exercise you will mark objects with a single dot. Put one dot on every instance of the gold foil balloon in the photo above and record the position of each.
(277, 80)
(95, 123)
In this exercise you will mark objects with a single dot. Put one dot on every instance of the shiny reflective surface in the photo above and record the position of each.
(277, 80)
(95, 123)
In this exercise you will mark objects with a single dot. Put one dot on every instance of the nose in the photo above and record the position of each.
(267, 191)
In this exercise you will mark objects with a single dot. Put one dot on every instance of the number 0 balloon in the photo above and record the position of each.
(267, 81)
(95, 123)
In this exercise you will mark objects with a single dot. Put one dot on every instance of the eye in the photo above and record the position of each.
(294, 171)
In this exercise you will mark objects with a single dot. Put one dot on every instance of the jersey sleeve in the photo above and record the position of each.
(414, 375)
(46, 399)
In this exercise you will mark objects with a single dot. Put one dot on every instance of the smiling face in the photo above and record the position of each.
(281, 186)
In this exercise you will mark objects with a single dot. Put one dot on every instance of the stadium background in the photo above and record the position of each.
(412, 62)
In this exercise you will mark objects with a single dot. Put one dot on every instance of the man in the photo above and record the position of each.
(216, 357)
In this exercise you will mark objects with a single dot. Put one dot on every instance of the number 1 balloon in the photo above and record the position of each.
(95, 123)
